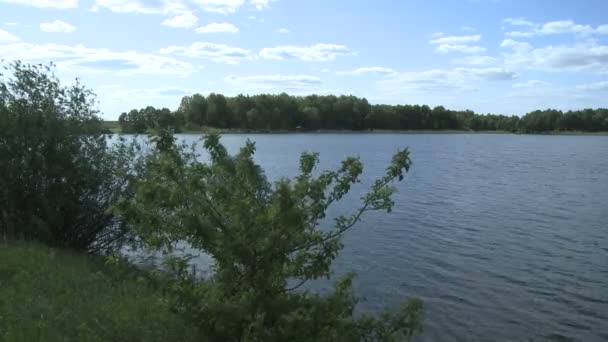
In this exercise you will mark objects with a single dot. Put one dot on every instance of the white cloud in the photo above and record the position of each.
(185, 20)
(261, 4)
(220, 6)
(531, 84)
(281, 82)
(553, 28)
(476, 60)
(218, 28)
(515, 45)
(456, 39)
(80, 58)
(58, 4)
(254, 18)
(445, 48)
(536, 94)
(369, 70)
(430, 80)
(57, 26)
(446, 44)
(468, 29)
(489, 74)
(283, 30)
(437, 34)
(168, 6)
(219, 53)
(597, 86)
(119, 92)
(518, 22)
(445, 79)
(521, 34)
(565, 26)
(6, 37)
(314, 53)
(117, 98)
(581, 57)
(11, 23)
(141, 6)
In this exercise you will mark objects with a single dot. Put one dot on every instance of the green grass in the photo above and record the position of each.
(53, 295)
(112, 126)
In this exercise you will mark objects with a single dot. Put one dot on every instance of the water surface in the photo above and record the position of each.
(504, 237)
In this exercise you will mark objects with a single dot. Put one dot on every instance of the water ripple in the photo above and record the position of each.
(504, 237)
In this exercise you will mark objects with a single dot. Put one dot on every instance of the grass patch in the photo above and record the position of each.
(112, 126)
(53, 295)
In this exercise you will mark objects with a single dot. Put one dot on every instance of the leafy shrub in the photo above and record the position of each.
(266, 240)
(58, 175)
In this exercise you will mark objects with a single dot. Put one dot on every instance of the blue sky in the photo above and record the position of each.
(499, 56)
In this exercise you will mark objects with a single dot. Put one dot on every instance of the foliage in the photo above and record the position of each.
(59, 176)
(282, 112)
(53, 295)
(139, 121)
(267, 240)
(587, 120)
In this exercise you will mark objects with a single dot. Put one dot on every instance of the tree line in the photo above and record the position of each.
(282, 112)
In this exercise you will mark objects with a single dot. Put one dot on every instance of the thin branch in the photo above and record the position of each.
(217, 217)
(356, 218)
(297, 286)
(312, 223)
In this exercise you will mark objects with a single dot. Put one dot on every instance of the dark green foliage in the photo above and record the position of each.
(194, 110)
(139, 121)
(541, 121)
(267, 240)
(587, 120)
(287, 113)
(58, 177)
(53, 295)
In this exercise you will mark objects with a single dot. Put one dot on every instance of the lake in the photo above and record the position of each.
(504, 237)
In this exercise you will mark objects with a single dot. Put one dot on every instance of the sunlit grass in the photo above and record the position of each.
(52, 295)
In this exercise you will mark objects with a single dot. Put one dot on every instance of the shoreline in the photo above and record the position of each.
(114, 129)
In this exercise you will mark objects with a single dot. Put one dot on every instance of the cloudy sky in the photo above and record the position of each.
(499, 56)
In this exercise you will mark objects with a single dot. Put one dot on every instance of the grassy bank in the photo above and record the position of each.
(52, 295)
(112, 126)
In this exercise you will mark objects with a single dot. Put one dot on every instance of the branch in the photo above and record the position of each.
(312, 223)
(297, 286)
(217, 217)
(356, 218)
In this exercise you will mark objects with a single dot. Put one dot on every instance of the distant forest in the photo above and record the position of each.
(283, 112)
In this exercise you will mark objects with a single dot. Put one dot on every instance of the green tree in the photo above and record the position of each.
(311, 117)
(59, 177)
(285, 112)
(194, 109)
(218, 113)
(240, 106)
(541, 121)
(267, 240)
(134, 121)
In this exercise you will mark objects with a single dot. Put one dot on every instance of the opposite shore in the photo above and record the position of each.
(114, 127)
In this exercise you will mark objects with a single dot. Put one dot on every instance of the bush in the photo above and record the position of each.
(58, 176)
(266, 240)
